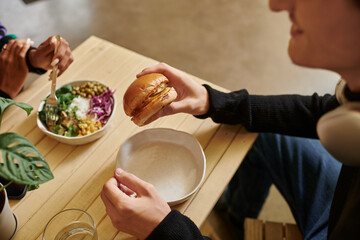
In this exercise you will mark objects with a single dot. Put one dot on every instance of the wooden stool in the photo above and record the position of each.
(256, 229)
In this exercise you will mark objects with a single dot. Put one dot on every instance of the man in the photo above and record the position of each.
(322, 192)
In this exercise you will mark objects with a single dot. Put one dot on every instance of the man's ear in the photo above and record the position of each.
(339, 132)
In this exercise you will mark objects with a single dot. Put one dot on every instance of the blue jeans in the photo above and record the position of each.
(302, 170)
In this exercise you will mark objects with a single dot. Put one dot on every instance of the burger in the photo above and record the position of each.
(146, 96)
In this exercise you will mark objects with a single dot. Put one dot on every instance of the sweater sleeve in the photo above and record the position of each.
(2, 31)
(4, 94)
(293, 115)
(176, 226)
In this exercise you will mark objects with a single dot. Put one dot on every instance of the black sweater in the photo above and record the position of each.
(292, 115)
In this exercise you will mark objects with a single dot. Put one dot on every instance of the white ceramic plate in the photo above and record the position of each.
(76, 140)
(171, 160)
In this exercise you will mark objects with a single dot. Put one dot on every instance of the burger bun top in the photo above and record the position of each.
(140, 90)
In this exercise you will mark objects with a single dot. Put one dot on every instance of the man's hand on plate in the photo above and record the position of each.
(133, 205)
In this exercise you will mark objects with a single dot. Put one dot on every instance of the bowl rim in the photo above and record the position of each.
(42, 103)
(173, 202)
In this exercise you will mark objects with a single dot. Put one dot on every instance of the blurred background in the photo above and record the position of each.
(233, 43)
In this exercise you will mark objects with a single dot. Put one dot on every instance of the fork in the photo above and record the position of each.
(51, 103)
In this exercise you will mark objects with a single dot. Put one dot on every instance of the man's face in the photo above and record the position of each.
(324, 33)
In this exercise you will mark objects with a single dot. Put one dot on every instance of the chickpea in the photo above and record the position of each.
(88, 126)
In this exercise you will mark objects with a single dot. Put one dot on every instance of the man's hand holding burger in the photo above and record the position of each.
(146, 96)
(191, 97)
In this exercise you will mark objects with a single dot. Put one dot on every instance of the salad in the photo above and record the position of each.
(82, 109)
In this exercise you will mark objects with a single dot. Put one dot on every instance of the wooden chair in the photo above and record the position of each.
(207, 230)
(256, 229)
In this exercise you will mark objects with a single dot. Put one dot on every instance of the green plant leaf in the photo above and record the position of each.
(6, 102)
(32, 187)
(21, 161)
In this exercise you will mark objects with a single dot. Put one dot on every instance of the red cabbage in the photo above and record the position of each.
(101, 106)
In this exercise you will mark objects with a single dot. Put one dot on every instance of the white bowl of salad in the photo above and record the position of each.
(85, 111)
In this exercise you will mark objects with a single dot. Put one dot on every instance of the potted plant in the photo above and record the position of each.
(20, 162)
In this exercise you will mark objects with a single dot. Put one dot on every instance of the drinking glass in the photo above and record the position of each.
(70, 224)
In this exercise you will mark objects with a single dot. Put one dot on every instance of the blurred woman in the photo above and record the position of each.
(18, 57)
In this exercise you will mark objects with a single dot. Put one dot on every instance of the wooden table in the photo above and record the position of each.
(81, 171)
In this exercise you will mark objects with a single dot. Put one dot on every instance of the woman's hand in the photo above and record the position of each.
(192, 97)
(134, 206)
(13, 67)
(43, 57)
